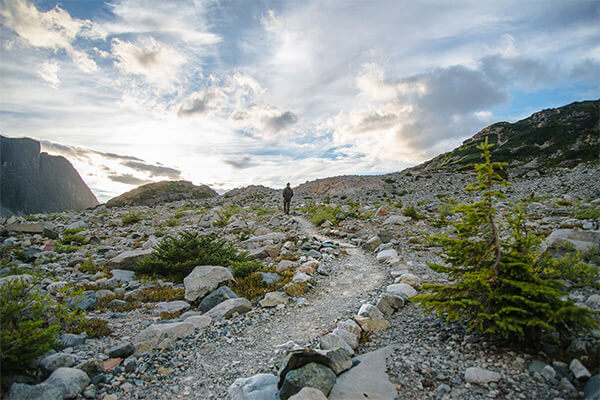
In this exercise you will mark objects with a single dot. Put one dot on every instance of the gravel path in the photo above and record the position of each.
(206, 365)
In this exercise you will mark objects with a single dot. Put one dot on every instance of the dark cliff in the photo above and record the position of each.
(35, 182)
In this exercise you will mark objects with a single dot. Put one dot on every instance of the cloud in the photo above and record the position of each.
(241, 163)
(54, 29)
(128, 179)
(155, 61)
(154, 170)
(49, 72)
(196, 105)
(281, 121)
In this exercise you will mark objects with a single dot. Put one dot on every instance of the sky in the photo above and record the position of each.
(232, 93)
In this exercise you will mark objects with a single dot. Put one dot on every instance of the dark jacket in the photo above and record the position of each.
(288, 193)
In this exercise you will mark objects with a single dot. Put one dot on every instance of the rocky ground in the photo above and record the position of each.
(347, 263)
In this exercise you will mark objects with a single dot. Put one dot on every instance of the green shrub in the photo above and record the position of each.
(570, 267)
(254, 288)
(176, 257)
(495, 288)
(89, 267)
(59, 248)
(131, 218)
(411, 211)
(225, 214)
(25, 332)
(318, 214)
(241, 269)
(591, 212)
(563, 202)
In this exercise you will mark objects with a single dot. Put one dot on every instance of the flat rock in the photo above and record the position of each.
(332, 341)
(308, 393)
(257, 387)
(121, 350)
(171, 307)
(129, 258)
(580, 240)
(481, 376)
(123, 275)
(229, 307)
(274, 236)
(367, 380)
(386, 255)
(397, 220)
(163, 335)
(203, 280)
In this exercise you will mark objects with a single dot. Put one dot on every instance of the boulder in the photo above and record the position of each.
(203, 280)
(312, 375)
(273, 299)
(171, 307)
(350, 331)
(43, 391)
(580, 240)
(121, 350)
(86, 301)
(481, 376)
(274, 236)
(269, 278)
(217, 296)
(332, 341)
(163, 335)
(285, 265)
(264, 252)
(389, 303)
(372, 244)
(410, 279)
(257, 387)
(199, 321)
(396, 220)
(229, 307)
(52, 362)
(386, 255)
(71, 380)
(128, 258)
(371, 319)
(123, 275)
(26, 278)
(579, 371)
(401, 289)
(592, 388)
(92, 367)
(69, 340)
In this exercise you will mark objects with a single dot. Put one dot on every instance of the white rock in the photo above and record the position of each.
(410, 279)
(199, 321)
(163, 335)
(227, 308)
(580, 372)
(387, 255)
(171, 306)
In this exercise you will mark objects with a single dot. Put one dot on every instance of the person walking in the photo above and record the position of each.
(288, 193)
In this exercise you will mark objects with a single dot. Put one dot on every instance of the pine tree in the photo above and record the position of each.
(494, 288)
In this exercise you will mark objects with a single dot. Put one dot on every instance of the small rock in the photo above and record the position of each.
(257, 387)
(217, 296)
(273, 299)
(227, 308)
(481, 376)
(121, 350)
(579, 371)
(308, 393)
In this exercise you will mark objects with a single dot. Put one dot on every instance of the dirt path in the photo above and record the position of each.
(251, 343)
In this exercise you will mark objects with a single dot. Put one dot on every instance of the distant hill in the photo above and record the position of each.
(563, 136)
(162, 192)
(34, 182)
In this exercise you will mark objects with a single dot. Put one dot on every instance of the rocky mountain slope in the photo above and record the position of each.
(162, 192)
(33, 182)
(563, 136)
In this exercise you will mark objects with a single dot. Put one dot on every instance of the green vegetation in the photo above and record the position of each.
(89, 267)
(590, 212)
(25, 333)
(318, 214)
(571, 267)
(176, 257)
(31, 322)
(225, 214)
(131, 218)
(495, 288)
(411, 211)
(254, 288)
(563, 202)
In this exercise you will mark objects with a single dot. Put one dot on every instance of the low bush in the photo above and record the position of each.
(570, 267)
(590, 212)
(176, 257)
(254, 288)
(318, 214)
(131, 218)
(26, 333)
(411, 211)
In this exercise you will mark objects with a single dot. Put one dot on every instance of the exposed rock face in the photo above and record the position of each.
(341, 185)
(161, 192)
(34, 182)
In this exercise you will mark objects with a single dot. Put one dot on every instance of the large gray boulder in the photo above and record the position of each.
(71, 380)
(52, 362)
(312, 375)
(43, 391)
(203, 280)
(257, 387)
(229, 307)
(401, 289)
(592, 388)
(171, 307)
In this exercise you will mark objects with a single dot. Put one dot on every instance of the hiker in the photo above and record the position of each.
(288, 193)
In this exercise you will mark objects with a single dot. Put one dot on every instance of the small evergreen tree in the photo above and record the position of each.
(494, 288)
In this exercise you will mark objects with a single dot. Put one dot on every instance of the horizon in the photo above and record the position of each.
(229, 95)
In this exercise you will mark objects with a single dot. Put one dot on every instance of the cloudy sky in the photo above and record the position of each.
(230, 93)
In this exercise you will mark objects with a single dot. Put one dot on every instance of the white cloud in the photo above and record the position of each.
(54, 29)
(49, 72)
(155, 61)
